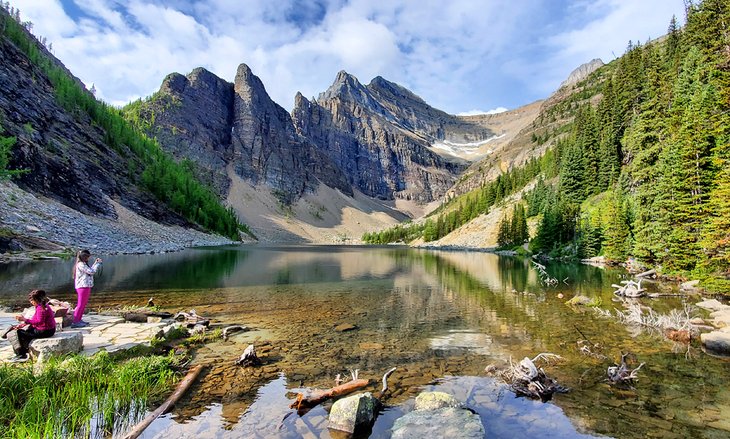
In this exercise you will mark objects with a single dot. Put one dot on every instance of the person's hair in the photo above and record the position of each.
(39, 296)
(78, 259)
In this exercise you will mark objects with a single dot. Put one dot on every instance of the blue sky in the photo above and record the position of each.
(459, 55)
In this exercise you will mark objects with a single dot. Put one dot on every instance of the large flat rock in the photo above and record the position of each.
(712, 305)
(62, 343)
(721, 318)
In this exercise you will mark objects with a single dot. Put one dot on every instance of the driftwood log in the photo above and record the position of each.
(190, 319)
(648, 273)
(312, 397)
(622, 374)
(140, 315)
(526, 379)
(231, 329)
(181, 389)
(629, 289)
(248, 357)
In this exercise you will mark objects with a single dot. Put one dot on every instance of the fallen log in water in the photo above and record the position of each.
(647, 273)
(312, 397)
(181, 389)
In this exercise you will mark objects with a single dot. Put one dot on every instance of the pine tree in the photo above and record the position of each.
(572, 174)
(503, 235)
(518, 226)
(616, 230)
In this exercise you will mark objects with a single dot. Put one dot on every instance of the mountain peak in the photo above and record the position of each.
(244, 71)
(380, 84)
(582, 72)
(345, 86)
(174, 83)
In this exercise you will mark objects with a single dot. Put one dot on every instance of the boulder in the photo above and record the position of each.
(579, 300)
(63, 322)
(444, 422)
(712, 305)
(721, 318)
(689, 286)
(717, 341)
(436, 400)
(62, 343)
(353, 412)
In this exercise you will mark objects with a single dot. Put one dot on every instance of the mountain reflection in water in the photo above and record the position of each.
(439, 316)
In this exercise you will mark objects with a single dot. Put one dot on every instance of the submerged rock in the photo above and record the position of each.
(436, 400)
(345, 327)
(580, 300)
(353, 412)
(444, 422)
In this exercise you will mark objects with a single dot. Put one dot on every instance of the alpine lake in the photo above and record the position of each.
(439, 316)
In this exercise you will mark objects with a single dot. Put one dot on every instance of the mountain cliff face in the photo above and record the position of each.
(373, 138)
(582, 72)
(65, 155)
(218, 125)
(380, 136)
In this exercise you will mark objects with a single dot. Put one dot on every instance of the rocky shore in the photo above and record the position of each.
(34, 223)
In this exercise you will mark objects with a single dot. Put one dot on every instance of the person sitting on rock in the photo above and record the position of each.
(41, 325)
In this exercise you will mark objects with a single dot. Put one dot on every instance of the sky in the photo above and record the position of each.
(461, 56)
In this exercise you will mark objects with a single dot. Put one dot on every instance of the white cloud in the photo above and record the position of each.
(455, 55)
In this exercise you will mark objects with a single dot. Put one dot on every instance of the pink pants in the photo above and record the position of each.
(83, 294)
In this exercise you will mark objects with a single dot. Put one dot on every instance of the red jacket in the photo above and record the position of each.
(43, 319)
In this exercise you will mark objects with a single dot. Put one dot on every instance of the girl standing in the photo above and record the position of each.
(83, 275)
(41, 325)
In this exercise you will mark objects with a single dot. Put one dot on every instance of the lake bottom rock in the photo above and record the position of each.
(438, 414)
(445, 422)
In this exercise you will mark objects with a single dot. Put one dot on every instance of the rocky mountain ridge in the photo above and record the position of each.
(372, 138)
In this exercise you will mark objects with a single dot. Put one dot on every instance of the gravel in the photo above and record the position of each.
(35, 216)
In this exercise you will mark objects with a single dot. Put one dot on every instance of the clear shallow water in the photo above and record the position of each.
(441, 317)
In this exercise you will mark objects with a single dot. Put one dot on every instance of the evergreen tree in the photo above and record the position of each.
(518, 226)
(503, 234)
(572, 174)
(616, 231)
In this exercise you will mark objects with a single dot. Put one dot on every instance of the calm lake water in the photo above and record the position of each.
(439, 316)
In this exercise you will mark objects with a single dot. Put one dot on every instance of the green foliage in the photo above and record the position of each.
(656, 147)
(169, 181)
(6, 144)
(79, 396)
(513, 231)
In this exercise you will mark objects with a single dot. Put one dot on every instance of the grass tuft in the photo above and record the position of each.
(80, 396)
